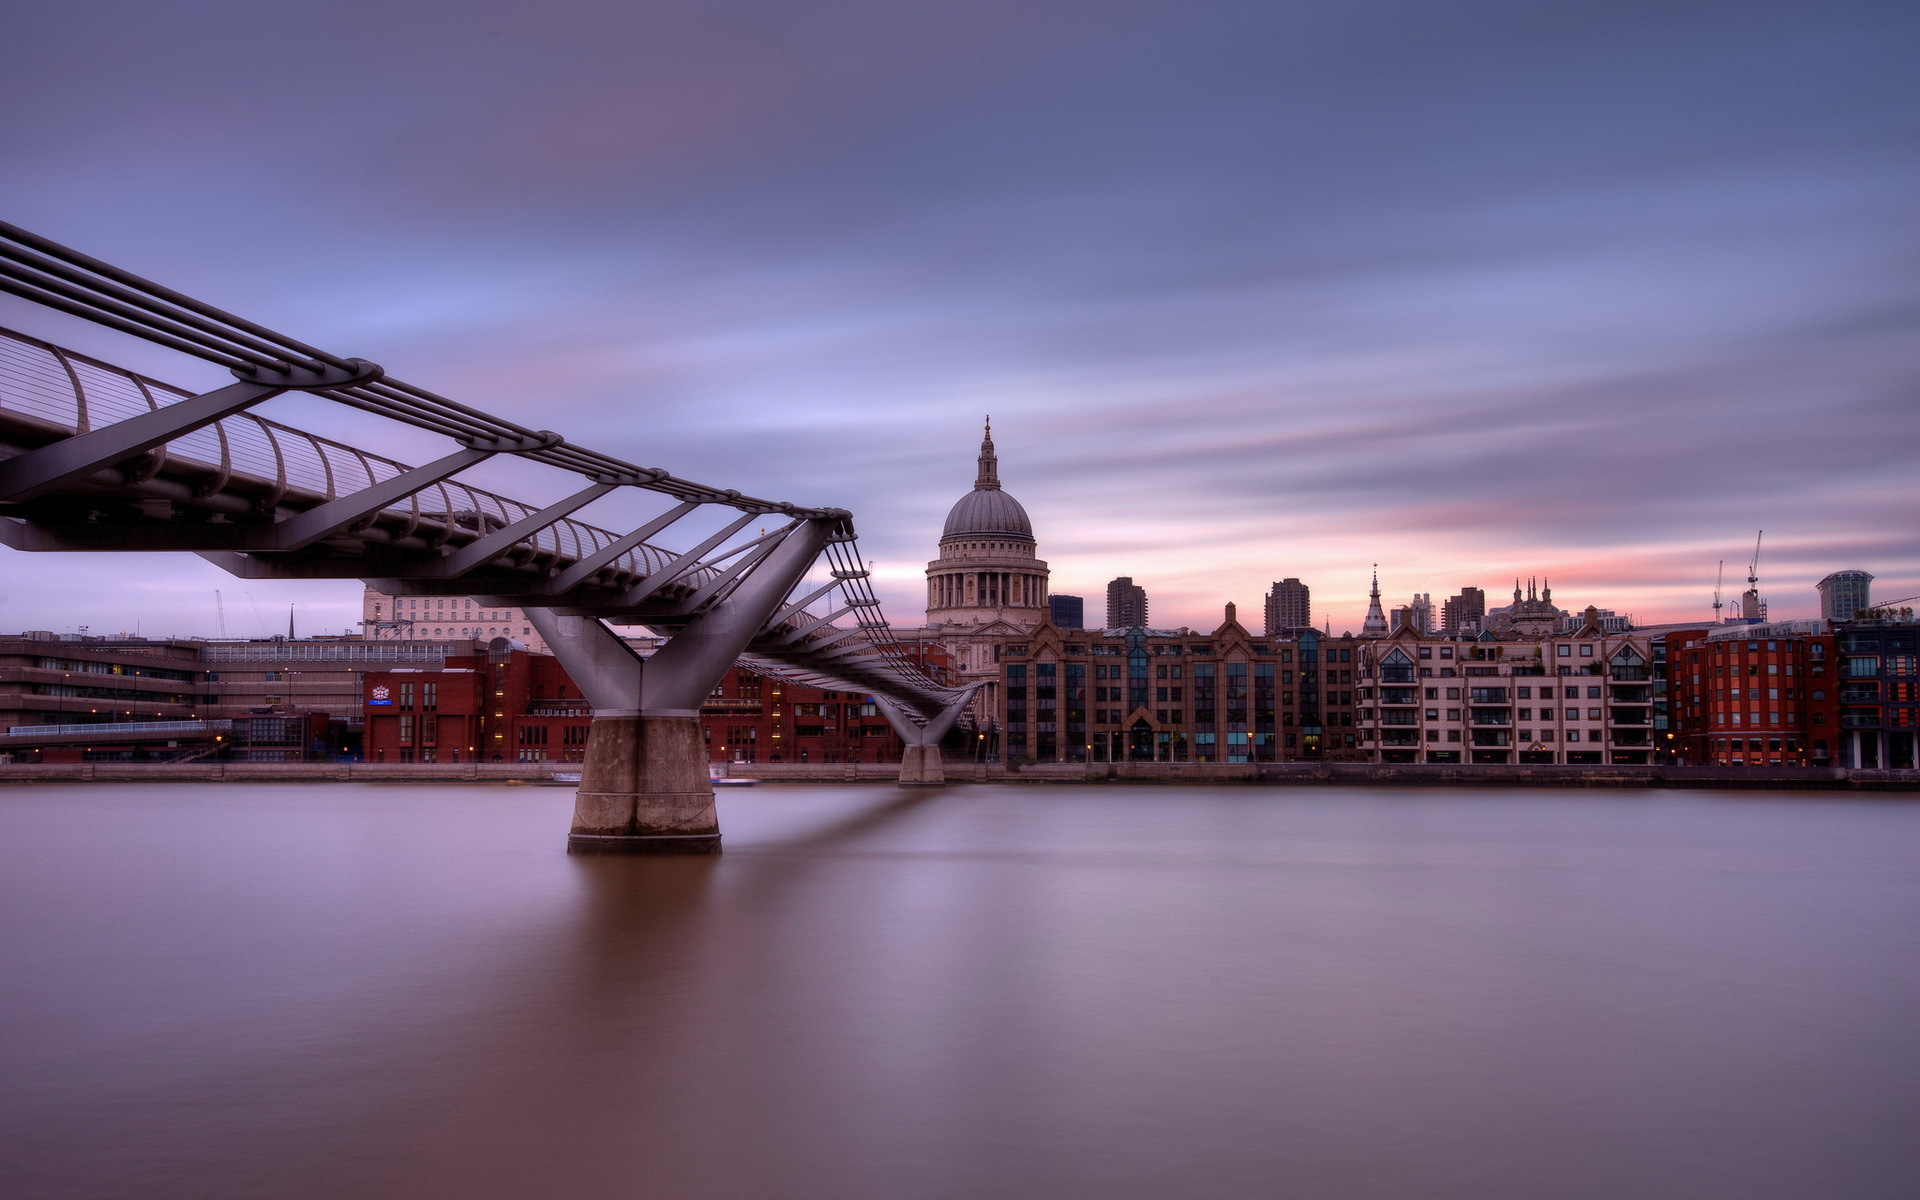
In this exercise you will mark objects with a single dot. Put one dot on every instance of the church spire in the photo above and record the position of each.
(989, 476)
(1376, 623)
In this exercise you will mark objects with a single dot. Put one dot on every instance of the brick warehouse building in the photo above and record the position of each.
(1755, 695)
(1165, 695)
(1818, 693)
(510, 705)
(1792, 693)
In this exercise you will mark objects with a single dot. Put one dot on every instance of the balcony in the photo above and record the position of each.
(1631, 695)
(1860, 718)
(1860, 693)
(1399, 716)
(1492, 716)
(1492, 737)
(1630, 673)
(1630, 716)
(1632, 737)
(1400, 737)
(1396, 674)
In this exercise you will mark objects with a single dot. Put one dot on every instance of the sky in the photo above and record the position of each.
(1469, 290)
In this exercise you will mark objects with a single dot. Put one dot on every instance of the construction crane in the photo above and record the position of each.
(1719, 577)
(220, 611)
(1886, 607)
(1752, 608)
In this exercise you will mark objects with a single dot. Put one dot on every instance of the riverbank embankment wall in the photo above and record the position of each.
(1278, 774)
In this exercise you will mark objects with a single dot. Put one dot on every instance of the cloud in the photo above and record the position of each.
(1468, 289)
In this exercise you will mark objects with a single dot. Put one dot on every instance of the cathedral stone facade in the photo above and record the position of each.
(988, 582)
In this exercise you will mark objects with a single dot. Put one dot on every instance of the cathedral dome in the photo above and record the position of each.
(987, 510)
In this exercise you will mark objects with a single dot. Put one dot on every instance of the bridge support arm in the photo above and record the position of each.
(921, 765)
(685, 670)
(605, 669)
(644, 787)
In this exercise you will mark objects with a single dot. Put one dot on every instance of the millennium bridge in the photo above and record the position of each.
(94, 457)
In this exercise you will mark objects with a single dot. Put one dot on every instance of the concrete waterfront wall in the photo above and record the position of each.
(1274, 774)
(241, 772)
(1370, 774)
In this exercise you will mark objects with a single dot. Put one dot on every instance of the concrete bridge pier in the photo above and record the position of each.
(921, 765)
(644, 787)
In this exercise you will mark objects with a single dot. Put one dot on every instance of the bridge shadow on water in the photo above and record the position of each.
(664, 1042)
(476, 1016)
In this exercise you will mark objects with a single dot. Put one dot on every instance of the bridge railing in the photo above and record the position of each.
(72, 394)
(47, 273)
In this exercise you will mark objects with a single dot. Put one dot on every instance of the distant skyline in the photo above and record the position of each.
(1473, 290)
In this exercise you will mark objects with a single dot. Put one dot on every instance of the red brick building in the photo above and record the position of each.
(513, 706)
(756, 718)
(1755, 695)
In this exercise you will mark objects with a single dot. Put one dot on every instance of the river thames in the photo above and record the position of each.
(331, 990)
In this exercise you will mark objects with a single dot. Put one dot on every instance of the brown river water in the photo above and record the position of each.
(347, 990)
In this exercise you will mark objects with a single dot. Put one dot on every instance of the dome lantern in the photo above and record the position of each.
(988, 510)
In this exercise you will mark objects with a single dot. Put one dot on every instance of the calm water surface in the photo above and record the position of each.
(368, 991)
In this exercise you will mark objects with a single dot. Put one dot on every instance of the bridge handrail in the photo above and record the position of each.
(70, 391)
(48, 273)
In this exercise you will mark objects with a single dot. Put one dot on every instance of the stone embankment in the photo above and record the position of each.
(1278, 774)
(243, 772)
(1372, 774)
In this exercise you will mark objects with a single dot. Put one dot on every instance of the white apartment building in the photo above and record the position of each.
(435, 618)
(1585, 697)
